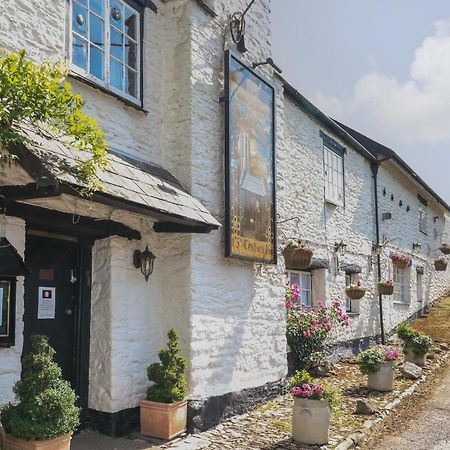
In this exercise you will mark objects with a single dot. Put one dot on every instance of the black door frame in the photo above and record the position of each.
(83, 312)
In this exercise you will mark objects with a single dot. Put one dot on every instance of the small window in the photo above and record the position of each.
(351, 306)
(401, 289)
(303, 281)
(7, 311)
(333, 167)
(423, 218)
(106, 44)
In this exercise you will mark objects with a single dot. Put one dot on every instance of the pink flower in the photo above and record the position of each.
(288, 304)
(307, 334)
(295, 391)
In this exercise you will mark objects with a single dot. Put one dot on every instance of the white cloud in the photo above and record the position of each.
(414, 111)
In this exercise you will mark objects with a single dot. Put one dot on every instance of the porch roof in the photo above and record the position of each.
(128, 183)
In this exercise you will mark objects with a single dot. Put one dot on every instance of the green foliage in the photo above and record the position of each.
(371, 360)
(333, 395)
(169, 375)
(419, 342)
(37, 95)
(46, 408)
(299, 377)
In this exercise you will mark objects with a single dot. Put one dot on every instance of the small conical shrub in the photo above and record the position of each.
(168, 376)
(46, 403)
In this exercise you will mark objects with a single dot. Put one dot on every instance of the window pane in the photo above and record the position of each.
(83, 2)
(79, 19)
(79, 52)
(116, 69)
(117, 14)
(130, 82)
(96, 30)
(294, 278)
(130, 23)
(116, 44)
(97, 6)
(96, 62)
(130, 53)
(305, 297)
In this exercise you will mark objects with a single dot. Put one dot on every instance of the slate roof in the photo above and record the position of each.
(127, 179)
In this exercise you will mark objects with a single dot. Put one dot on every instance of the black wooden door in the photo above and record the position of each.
(51, 297)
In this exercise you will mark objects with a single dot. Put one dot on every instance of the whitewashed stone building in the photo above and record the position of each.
(152, 73)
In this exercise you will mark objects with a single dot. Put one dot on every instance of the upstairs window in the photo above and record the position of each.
(423, 216)
(333, 170)
(106, 44)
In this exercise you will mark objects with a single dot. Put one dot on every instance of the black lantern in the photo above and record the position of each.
(144, 261)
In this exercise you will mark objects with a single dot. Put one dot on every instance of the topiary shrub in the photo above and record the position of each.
(168, 376)
(46, 403)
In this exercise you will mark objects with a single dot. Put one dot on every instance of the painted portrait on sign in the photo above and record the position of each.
(250, 202)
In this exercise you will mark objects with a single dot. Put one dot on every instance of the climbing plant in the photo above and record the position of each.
(37, 95)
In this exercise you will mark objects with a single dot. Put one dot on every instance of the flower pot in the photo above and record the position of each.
(355, 293)
(445, 249)
(440, 266)
(163, 420)
(400, 264)
(410, 356)
(297, 258)
(60, 443)
(383, 379)
(384, 289)
(310, 421)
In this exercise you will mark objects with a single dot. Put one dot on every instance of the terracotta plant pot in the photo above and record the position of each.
(297, 258)
(383, 379)
(163, 420)
(310, 421)
(440, 266)
(384, 289)
(400, 264)
(355, 293)
(60, 443)
(418, 360)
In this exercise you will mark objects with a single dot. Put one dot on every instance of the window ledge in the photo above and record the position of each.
(333, 203)
(94, 85)
(401, 303)
(352, 314)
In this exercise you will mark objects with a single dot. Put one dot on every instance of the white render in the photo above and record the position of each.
(230, 313)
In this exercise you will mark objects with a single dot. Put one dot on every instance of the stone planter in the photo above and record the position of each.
(163, 420)
(383, 379)
(310, 421)
(60, 443)
(410, 356)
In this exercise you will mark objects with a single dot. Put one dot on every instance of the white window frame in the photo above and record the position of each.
(107, 57)
(419, 287)
(401, 288)
(301, 287)
(423, 218)
(333, 172)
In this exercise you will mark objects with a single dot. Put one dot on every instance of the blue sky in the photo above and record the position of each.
(381, 66)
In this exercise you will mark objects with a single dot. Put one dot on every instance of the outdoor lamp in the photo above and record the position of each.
(340, 247)
(144, 261)
(377, 248)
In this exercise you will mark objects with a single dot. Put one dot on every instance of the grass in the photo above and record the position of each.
(436, 325)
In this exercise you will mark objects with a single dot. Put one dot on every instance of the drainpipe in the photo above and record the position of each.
(375, 166)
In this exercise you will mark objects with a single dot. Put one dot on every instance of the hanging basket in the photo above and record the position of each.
(445, 249)
(297, 258)
(385, 289)
(440, 265)
(400, 263)
(355, 293)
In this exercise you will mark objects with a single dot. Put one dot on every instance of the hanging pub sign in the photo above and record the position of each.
(250, 164)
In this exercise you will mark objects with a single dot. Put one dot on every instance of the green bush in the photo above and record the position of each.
(46, 403)
(300, 377)
(417, 341)
(168, 376)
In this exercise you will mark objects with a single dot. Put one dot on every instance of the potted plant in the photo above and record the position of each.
(297, 255)
(355, 291)
(445, 248)
(400, 261)
(164, 412)
(416, 345)
(45, 416)
(440, 264)
(378, 364)
(311, 409)
(386, 287)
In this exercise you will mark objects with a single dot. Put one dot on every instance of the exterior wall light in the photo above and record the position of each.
(417, 246)
(377, 249)
(340, 247)
(144, 261)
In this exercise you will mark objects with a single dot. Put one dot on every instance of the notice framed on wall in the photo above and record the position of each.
(46, 303)
(250, 164)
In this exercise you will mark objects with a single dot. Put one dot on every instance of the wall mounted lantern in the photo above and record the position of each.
(340, 247)
(144, 261)
(417, 246)
(377, 248)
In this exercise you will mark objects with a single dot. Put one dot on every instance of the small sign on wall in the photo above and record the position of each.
(46, 303)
